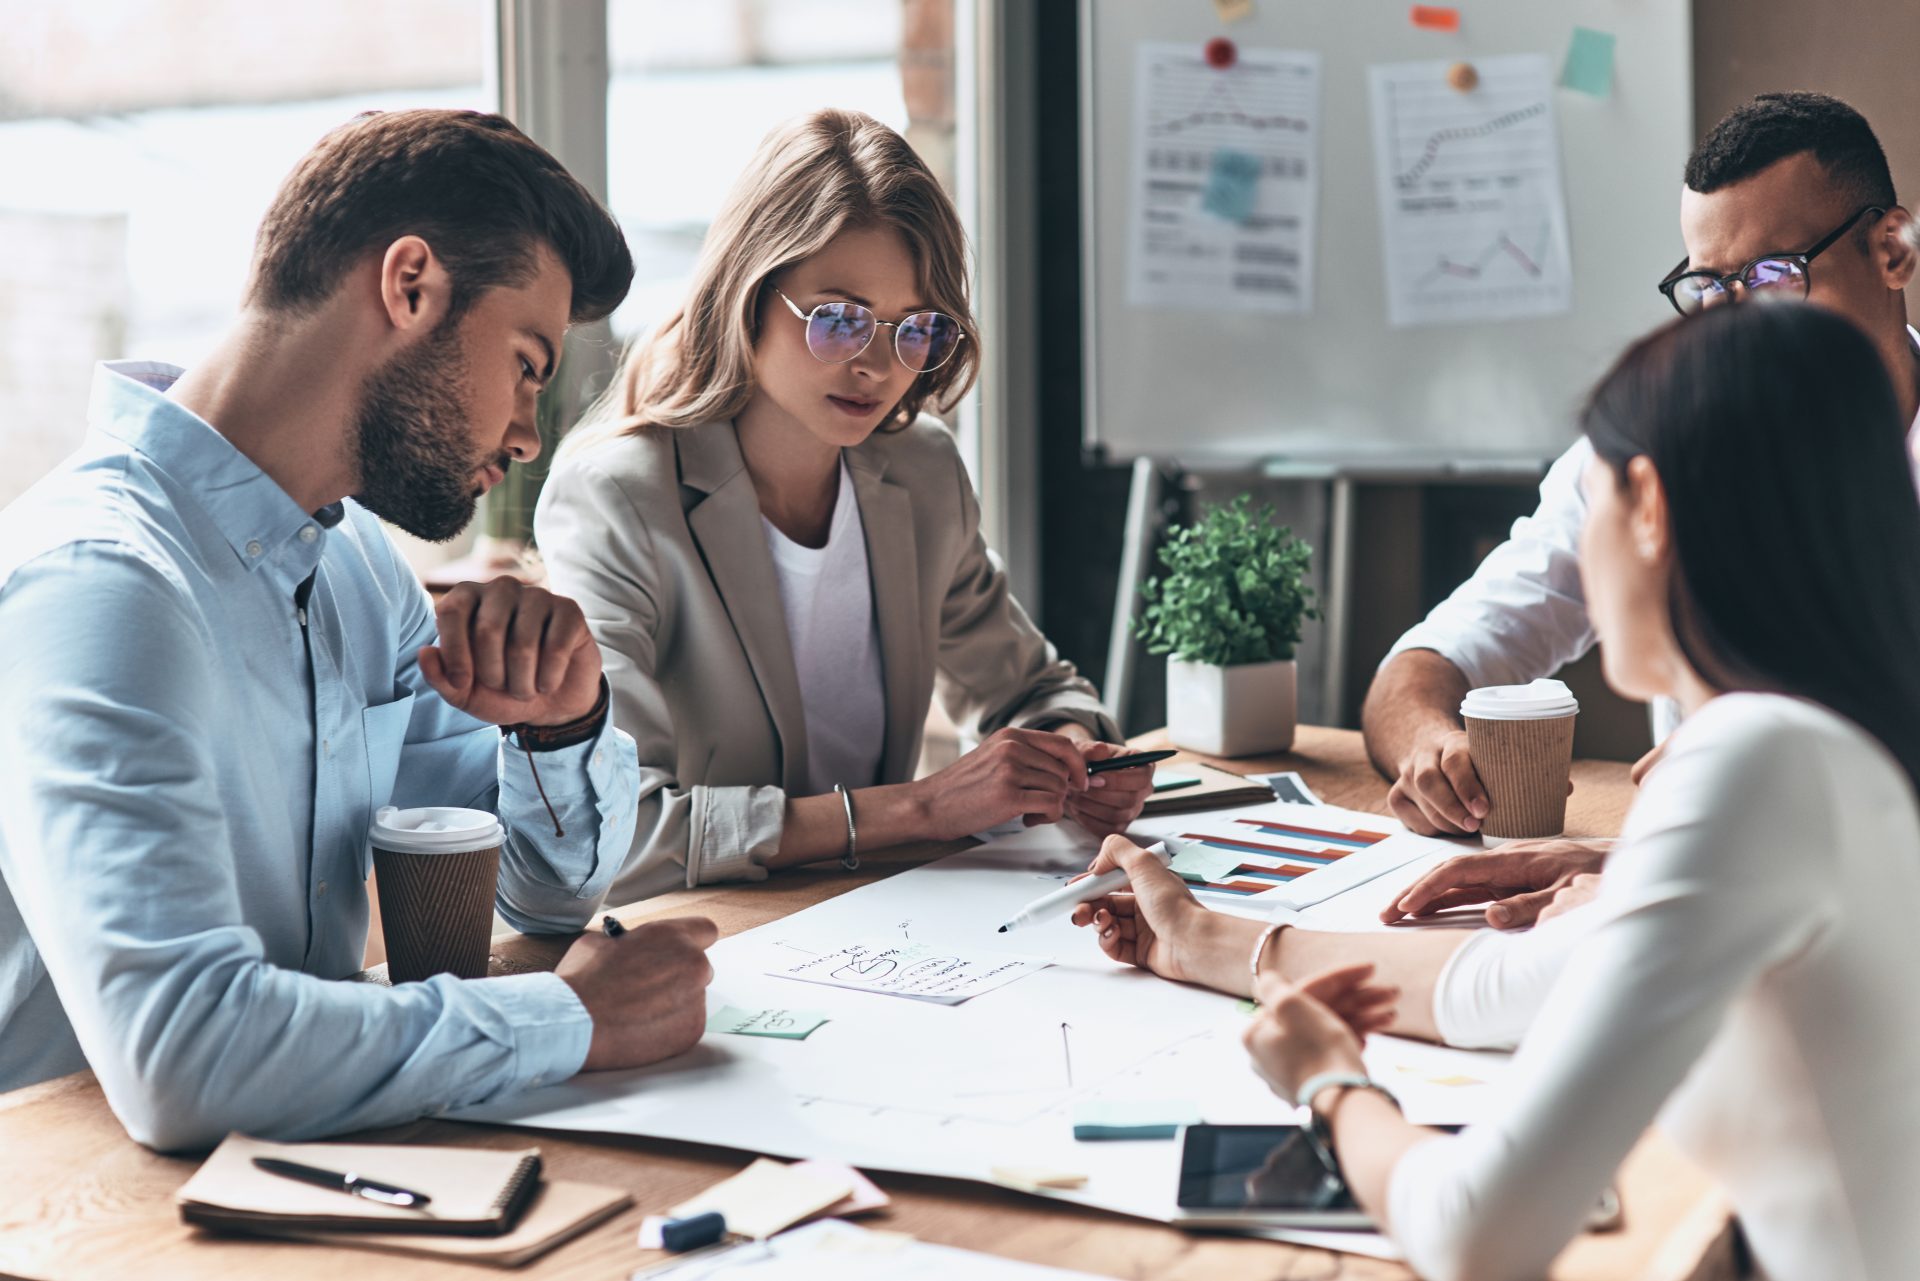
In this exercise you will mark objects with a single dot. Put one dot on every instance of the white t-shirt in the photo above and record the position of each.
(1523, 613)
(828, 596)
(1745, 974)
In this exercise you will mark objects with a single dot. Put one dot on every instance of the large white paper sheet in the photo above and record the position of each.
(1226, 180)
(957, 1090)
(1472, 209)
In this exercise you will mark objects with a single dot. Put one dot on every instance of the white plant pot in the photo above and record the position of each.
(1244, 710)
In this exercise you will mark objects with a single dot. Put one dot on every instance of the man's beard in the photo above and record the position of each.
(410, 441)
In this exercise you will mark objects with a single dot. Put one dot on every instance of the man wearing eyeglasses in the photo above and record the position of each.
(1787, 198)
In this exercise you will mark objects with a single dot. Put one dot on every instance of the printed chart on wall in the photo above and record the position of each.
(1288, 855)
(1226, 180)
(1472, 208)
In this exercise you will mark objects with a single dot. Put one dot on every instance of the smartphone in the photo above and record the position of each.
(1273, 1176)
(1247, 1175)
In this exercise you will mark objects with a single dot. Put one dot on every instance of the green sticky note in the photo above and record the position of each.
(1233, 181)
(1246, 1006)
(1132, 1119)
(787, 1025)
(1204, 864)
(1589, 67)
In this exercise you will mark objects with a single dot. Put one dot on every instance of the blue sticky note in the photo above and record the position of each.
(1132, 1119)
(1589, 67)
(1233, 180)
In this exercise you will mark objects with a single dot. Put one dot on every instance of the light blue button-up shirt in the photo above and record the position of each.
(189, 763)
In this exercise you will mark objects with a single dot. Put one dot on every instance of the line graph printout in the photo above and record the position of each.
(1226, 179)
(1472, 208)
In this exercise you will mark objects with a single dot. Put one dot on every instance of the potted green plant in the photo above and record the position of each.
(1227, 612)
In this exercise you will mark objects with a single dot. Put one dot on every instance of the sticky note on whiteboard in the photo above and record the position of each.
(1233, 182)
(1435, 17)
(1589, 65)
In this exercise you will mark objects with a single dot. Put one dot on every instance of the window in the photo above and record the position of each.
(138, 155)
(141, 140)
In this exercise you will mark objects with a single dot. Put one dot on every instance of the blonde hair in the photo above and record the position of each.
(811, 179)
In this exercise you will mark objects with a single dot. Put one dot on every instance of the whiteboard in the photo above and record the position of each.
(1339, 385)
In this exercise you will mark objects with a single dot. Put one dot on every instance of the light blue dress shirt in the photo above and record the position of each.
(189, 763)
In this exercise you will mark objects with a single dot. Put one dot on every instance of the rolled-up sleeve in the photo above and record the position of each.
(551, 881)
(117, 850)
(1523, 614)
(599, 552)
(995, 669)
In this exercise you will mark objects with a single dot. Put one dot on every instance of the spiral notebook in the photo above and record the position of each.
(487, 1206)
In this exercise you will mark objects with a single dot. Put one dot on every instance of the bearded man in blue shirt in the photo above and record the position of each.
(214, 668)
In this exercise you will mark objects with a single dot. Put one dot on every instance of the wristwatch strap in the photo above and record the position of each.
(1313, 1086)
(1319, 1129)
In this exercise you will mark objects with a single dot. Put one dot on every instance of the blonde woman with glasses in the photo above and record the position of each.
(780, 554)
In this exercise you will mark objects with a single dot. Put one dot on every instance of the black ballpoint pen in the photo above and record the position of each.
(1128, 762)
(350, 1183)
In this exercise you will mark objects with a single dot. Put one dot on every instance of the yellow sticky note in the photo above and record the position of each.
(766, 1198)
(1032, 1178)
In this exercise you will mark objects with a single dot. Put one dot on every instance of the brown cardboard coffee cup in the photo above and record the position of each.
(1520, 738)
(437, 870)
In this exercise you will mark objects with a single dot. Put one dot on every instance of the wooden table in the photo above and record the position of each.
(80, 1199)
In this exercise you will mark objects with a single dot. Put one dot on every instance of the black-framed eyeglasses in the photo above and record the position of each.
(1769, 277)
(839, 331)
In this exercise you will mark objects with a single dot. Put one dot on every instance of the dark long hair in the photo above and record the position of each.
(1796, 530)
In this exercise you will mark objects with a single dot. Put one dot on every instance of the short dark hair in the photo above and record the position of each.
(1791, 501)
(475, 188)
(1773, 126)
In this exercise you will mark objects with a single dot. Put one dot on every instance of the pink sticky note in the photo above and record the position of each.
(864, 1197)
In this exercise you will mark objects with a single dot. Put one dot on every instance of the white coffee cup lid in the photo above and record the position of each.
(435, 830)
(1542, 700)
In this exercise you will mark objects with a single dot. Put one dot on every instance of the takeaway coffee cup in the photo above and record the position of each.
(437, 869)
(1521, 740)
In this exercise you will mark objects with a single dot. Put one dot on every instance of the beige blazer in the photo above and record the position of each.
(658, 537)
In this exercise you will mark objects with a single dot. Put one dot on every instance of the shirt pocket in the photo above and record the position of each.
(384, 729)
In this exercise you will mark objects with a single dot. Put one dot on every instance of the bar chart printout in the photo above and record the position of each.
(1472, 207)
(1248, 855)
(1226, 175)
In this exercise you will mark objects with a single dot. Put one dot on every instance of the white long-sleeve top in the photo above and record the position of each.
(1523, 613)
(1746, 974)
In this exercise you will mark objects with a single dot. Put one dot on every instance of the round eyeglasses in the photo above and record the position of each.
(1768, 278)
(839, 331)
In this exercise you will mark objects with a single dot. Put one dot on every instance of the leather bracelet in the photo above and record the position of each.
(851, 859)
(552, 738)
